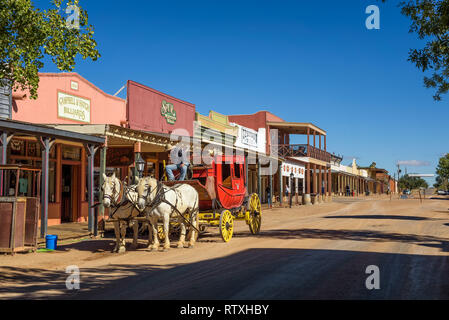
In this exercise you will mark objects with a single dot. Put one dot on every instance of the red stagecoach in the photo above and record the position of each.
(224, 196)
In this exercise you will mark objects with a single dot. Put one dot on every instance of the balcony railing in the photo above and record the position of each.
(303, 150)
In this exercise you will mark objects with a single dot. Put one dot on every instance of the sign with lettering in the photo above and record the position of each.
(249, 138)
(168, 112)
(73, 107)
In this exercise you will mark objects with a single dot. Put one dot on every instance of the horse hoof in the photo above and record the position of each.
(122, 250)
(165, 250)
(191, 246)
(180, 246)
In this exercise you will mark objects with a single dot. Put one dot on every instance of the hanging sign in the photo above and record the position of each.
(73, 107)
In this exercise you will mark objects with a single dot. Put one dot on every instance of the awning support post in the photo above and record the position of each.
(46, 144)
(92, 225)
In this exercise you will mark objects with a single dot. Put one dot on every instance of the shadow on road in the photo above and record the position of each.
(264, 273)
(357, 235)
(388, 217)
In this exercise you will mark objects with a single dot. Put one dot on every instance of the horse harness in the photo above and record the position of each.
(160, 198)
(122, 201)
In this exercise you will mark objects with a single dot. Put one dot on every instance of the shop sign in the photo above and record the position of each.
(168, 112)
(288, 168)
(249, 138)
(73, 107)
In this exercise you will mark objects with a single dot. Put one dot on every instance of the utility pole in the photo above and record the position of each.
(399, 175)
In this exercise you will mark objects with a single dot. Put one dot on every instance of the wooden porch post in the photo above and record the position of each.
(320, 181)
(308, 137)
(45, 144)
(281, 191)
(271, 184)
(92, 224)
(4, 142)
(307, 177)
(103, 153)
(259, 182)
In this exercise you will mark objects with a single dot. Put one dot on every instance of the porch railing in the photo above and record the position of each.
(303, 150)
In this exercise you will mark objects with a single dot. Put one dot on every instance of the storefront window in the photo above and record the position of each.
(33, 149)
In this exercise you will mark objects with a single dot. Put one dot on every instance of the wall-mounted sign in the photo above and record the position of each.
(168, 112)
(74, 85)
(289, 168)
(73, 107)
(249, 138)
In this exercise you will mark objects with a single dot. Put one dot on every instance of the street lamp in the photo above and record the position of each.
(140, 164)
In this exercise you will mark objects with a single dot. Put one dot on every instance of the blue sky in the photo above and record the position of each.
(305, 61)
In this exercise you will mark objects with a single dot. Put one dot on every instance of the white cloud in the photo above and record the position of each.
(414, 163)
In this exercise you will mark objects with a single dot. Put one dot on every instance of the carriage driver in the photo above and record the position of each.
(179, 161)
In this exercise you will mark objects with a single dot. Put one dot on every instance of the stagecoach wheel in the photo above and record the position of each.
(226, 225)
(255, 214)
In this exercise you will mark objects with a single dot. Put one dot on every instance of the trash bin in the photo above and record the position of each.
(51, 241)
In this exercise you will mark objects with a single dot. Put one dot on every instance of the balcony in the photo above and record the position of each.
(303, 150)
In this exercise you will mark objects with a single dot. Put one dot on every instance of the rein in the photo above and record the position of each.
(160, 197)
(121, 199)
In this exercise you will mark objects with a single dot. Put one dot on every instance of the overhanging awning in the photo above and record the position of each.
(30, 129)
(296, 127)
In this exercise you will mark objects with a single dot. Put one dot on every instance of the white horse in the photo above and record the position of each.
(122, 203)
(160, 200)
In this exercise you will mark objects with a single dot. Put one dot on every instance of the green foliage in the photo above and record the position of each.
(407, 182)
(441, 183)
(28, 34)
(443, 167)
(430, 20)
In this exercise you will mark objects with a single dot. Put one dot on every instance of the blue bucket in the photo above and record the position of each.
(51, 241)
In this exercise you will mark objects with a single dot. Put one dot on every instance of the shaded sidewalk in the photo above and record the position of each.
(67, 231)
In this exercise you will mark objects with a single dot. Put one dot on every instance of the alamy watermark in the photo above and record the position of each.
(373, 20)
(373, 280)
(73, 19)
(73, 280)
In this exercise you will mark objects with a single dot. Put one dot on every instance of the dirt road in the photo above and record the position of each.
(316, 252)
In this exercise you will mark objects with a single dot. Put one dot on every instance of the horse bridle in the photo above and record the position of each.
(114, 202)
(157, 197)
